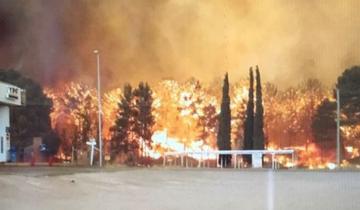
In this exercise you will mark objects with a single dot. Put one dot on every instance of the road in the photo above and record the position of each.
(171, 189)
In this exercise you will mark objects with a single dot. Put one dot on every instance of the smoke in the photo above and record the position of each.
(52, 41)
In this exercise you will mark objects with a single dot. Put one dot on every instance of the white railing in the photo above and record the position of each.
(204, 156)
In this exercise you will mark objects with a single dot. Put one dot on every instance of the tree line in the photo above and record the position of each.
(137, 115)
(133, 129)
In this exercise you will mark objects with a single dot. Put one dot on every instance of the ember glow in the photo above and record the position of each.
(186, 118)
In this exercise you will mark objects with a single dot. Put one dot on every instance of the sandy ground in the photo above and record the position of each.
(170, 189)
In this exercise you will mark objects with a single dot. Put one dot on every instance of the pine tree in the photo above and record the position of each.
(324, 125)
(259, 116)
(324, 119)
(249, 120)
(223, 137)
(144, 119)
(349, 87)
(123, 140)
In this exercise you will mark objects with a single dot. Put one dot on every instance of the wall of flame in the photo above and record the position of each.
(181, 108)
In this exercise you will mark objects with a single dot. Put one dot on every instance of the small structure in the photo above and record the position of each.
(10, 95)
(257, 156)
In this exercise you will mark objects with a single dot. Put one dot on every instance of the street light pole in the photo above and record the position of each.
(338, 128)
(97, 53)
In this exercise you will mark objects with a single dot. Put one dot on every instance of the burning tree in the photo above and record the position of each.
(208, 122)
(185, 117)
(74, 116)
(324, 126)
(249, 120)
(289, 112)
(312, 94)
(239, 95)
(198, 110)
(166, 106)
(273, 115)
(185, 112)
(110, 107)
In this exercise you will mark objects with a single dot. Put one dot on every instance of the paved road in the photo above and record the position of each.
(51, 171)
(156, 188)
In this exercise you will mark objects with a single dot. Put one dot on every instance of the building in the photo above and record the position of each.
(10, 95)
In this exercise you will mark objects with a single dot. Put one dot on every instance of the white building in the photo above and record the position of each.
(10, 95)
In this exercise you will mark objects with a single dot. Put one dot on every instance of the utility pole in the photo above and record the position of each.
(338, 128)
(97, 53)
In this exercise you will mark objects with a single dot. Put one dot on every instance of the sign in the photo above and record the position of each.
(92, 142)
(257, 160)
(13, 93)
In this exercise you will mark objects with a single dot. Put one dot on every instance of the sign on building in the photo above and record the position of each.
(11, 95)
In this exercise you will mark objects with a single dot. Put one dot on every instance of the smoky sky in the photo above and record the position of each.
(53, 41)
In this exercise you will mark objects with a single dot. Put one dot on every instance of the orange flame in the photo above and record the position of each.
(183, 124)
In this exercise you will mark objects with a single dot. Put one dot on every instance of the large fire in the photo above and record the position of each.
(186, 118)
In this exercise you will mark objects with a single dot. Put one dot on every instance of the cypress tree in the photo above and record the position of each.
(249, 120)
(223, 137)
(259, 116)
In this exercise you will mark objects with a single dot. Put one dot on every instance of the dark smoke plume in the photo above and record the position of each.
(52, 41)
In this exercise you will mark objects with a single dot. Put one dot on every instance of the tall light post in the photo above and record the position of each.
(338, 160)
(97, 53)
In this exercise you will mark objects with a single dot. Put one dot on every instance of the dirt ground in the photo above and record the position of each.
(170, 189)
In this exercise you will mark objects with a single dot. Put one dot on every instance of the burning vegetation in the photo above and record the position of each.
(184, 117)
(179, 39)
